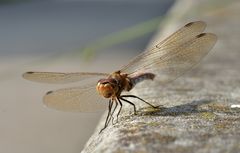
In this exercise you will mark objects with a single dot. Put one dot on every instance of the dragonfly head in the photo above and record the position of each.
(107, 87)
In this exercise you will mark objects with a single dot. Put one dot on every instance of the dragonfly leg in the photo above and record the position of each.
(119, 108)
(113, 112)
(134, 107)
(133, 96)
(109, 116)
(110, 103)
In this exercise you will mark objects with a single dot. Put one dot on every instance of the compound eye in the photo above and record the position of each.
(107, 90)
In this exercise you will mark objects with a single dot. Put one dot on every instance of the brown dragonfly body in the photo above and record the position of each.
(117, 82)
(165, 62)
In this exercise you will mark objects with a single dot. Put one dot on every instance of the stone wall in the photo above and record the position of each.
(197, 113)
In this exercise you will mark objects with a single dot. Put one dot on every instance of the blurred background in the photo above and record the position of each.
(65, 36)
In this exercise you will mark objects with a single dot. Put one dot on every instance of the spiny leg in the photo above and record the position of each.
(113, 111)
(133, 96)
(119, 108)
(109, 111)
(134, 107)
(110, 103)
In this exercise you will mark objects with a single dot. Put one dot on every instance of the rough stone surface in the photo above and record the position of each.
(196, 115)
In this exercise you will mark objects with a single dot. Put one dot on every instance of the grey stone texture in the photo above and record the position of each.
(196, 113)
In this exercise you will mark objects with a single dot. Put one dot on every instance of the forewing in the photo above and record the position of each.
(181, 36)
(183, 58)
(177, 59)
(76, 99)
(61, 78)
(184, 34)
(175, 55)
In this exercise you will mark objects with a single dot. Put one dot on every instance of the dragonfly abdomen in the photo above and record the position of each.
(141, 77)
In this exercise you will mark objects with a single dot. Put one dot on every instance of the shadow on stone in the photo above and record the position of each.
(184, 109)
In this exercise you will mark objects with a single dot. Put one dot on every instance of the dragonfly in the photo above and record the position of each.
(164, 62)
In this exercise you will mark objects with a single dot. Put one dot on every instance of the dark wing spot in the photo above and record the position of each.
(189, 24)
(201, 35)
(29, 72)
(49, 92)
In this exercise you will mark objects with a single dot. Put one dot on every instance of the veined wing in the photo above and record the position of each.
(184, 34)
(76, 99)
(175, 55)
(60, 78)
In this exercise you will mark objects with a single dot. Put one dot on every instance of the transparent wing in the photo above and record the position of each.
(175, 55)
(76, 99)
(182, 35)
(60, 78)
